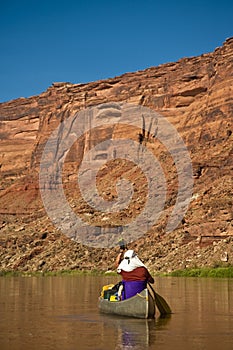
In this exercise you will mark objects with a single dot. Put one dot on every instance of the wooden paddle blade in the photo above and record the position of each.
(161, 303)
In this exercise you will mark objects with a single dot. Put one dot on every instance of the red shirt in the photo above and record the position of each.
(138, 274)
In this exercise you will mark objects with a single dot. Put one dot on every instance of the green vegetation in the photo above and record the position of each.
(217, 272)
(10, 273)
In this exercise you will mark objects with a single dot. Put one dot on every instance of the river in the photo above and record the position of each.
(61, 312)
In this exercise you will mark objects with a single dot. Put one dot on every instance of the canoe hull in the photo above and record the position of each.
(140, 306)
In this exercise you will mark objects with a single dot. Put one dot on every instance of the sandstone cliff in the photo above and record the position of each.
(195, 95)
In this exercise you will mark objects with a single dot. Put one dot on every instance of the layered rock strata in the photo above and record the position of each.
(193, 94)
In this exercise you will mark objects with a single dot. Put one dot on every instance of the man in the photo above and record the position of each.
(134, 275)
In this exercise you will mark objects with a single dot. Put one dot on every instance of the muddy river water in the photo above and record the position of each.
(61, 312)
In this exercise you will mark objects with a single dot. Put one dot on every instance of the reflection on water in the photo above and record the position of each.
(62, 313)
(136, 334)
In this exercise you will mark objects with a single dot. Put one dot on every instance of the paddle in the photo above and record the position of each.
(161, 303)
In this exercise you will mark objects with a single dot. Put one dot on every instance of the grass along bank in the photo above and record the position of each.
(15, 273)
(217, 272)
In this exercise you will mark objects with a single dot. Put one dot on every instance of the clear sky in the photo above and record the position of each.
(78, 41)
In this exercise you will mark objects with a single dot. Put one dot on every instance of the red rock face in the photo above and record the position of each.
(194, 94)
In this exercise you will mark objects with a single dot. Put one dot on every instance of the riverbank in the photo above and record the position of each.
(51, 252)
(218, 272)
(55, 254)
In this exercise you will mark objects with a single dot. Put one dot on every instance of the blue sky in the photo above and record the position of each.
(79, 41)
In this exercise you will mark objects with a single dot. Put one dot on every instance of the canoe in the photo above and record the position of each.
(141, 305)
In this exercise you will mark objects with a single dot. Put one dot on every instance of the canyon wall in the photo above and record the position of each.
(194, 94)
